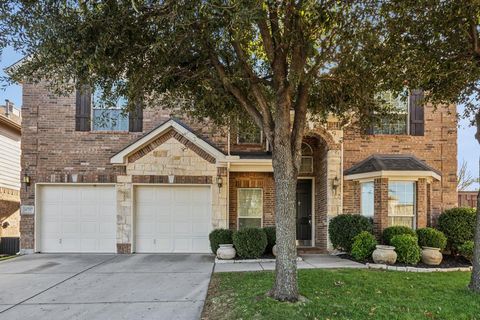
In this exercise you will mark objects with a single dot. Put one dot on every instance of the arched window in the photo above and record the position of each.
(306, 165)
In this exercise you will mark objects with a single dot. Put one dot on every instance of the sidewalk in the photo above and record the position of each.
(310, 261)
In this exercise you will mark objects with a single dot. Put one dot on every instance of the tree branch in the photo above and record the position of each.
(268, 124)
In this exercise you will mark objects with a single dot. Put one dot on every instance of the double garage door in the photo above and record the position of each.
(83, 218)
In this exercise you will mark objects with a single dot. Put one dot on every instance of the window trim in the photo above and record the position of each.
(308, 156)
(361, 198)
(407, 114)
(238, 206)
(415, 213)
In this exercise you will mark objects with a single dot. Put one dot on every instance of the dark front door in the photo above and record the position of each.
(304, 212)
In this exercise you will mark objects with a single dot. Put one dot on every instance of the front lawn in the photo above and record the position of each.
(345, 294)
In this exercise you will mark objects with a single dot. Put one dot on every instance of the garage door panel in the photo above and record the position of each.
(181, 216)
(76, 218)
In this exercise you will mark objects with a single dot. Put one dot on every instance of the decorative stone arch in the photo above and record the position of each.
(325, 136)
(333, 181)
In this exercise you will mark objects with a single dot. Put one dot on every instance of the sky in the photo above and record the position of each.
(468, 148)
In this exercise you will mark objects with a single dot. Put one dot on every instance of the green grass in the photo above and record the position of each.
(6, 257)
(345, 294)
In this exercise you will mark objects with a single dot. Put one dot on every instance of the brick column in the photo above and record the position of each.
(380, 214)
(429, 205)
(421, 203)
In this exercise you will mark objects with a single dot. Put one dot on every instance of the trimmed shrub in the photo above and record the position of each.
(218, 237)
(343, 228)
(430, 237)
(271, 238)
(363, 246)
(466, 250)
(458, 225)
(250, 243)
(391, 232)
(407, 248)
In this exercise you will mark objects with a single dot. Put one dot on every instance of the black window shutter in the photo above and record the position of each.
(83, 107)
(135, 119)
(417, 114)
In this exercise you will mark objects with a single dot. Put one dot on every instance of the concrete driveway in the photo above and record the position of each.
(98, 286)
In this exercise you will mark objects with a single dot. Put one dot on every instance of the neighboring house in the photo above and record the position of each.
(467, 199)
(149, 183)
(10, 132)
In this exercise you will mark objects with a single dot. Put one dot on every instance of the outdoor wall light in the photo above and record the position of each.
(26, 180)
(219, 181)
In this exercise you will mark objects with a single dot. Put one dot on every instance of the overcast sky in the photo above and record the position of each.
(468, 148)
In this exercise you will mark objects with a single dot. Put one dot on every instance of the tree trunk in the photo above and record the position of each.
(475, 280)
(286, 286)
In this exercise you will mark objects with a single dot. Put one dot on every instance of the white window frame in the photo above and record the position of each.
(407, 129)
(307, 157)
(414, 221)
(248, 217)
(361, 198)
(92, 116)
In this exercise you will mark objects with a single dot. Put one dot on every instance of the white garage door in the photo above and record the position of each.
(77, 218)
(172, 218)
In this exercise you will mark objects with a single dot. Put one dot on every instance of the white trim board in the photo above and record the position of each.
(408, 175)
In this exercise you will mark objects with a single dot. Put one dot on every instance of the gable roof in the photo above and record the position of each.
(393, 164)
(122, 156)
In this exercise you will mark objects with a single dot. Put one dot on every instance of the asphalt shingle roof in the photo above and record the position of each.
(389, 162)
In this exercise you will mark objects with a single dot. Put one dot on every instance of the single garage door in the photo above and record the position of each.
(77, 218)
(172, 218)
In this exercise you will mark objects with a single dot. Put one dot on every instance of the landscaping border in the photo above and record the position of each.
(249, 260)
(414, 269)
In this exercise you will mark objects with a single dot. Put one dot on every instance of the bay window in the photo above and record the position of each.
(367, 201)
(401, 203)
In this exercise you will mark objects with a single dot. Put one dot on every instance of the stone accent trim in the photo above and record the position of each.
(177, 179)
(415, 269)
(66, 177)
(124, 248)
(165, 137)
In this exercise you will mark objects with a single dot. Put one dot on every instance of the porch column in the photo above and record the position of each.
(421, 203)
(124, 191)
(380, 211)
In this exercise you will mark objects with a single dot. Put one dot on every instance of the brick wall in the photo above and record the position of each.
(9, 213)
(438, 148)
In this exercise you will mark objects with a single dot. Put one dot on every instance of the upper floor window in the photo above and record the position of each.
(108, 116)
(408, 116)
(398, 122)
(306, 166)
(93, 113)
(248, 133)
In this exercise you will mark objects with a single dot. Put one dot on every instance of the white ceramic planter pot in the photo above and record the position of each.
(274, 250)
(226, 252)
(431, 256)
(384, 255)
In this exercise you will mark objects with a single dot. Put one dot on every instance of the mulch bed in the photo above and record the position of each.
(448, 261)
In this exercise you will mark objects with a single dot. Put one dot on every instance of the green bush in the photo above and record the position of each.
(363, 246)
(271, 238)
(466, 250)
(250, 243)
(429, 237)
(458, 225)
(218, 237)
(391, 232)
(407, 248)
(343, 228)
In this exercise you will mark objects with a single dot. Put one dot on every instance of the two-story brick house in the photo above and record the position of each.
(149, 183)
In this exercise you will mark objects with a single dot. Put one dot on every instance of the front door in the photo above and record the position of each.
(304, 212)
